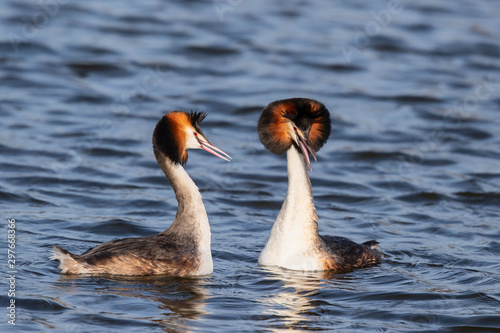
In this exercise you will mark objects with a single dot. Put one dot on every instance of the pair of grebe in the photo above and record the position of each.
(297, 126)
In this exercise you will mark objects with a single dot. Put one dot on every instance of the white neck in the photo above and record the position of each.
(295, 231)
(298, 213)
(191, 218)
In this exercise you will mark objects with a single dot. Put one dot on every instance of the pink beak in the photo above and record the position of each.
(304, 147)
(205, 145)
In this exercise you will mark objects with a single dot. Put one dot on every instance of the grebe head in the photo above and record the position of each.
(301, 122)
(178, 131)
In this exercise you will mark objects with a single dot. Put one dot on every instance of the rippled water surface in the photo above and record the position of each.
(413, 160)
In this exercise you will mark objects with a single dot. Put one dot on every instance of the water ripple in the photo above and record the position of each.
(412, 160)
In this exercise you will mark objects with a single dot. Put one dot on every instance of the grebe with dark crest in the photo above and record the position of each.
(299, 127)
(184, 248)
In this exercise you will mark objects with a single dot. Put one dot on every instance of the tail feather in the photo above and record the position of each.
(58, 253)
(68, 263)
(373, 244)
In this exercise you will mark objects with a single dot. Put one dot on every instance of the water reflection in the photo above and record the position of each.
(180, 300)
(413, 160)
(294, 304)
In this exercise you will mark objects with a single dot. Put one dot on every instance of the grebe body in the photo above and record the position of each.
(184, 248)
(300, 127)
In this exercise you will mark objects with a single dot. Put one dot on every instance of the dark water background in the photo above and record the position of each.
(413, 160)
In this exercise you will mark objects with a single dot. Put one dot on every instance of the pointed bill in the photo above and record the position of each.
(205, 145)
(304, 147)
(310, 151)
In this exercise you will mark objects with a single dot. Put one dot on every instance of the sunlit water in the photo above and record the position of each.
(413, 160)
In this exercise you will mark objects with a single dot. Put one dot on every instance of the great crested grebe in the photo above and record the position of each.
(299, 127)
(184, 248)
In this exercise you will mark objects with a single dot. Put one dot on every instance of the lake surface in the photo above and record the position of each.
(413, 160)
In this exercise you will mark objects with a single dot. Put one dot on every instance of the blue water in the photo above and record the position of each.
(413, 160)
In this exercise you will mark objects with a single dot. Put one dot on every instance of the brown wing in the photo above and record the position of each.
(151, 255)
(347, 254)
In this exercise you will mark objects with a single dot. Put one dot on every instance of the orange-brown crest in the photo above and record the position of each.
(308, 115)
(170, 133)
(179, 121)
(279, 124)
(320, 131)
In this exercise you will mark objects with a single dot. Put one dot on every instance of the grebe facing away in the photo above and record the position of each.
(299, 127)
(184, 248)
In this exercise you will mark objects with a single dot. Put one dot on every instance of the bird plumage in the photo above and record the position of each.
(184, 248)
(300, 127)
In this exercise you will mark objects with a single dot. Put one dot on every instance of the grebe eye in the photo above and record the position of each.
(295, 129)
(195, 134)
